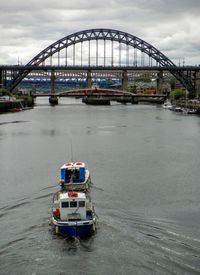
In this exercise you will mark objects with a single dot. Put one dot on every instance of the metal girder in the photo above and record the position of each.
(105, 34)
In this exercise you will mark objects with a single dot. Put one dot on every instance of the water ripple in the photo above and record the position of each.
(9, 245)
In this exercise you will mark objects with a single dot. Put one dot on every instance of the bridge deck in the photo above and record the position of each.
(97, 92)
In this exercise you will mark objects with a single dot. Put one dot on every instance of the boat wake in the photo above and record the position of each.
(15, 121)
(76, 244)
(163, 243)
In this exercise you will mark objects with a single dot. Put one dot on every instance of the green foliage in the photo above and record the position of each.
(177, 94)
(4, 92)
(28, 100)
(132, 89)
(172, 83)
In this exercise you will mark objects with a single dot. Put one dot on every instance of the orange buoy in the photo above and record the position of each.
(57, 213)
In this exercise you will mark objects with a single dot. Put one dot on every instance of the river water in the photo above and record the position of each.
(145, 167)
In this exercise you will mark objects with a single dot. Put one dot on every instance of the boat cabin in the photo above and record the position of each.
(72, 172)
(72, 206)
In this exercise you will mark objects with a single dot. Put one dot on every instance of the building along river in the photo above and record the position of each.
(145, 166)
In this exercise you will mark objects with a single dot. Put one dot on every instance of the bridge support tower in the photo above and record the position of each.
(197, 83)
(1, 79)
(124, 80)
(159, 84)
(53, 81)
(53, 99)
(89, 79)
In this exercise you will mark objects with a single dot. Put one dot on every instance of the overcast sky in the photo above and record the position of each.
(29, 26)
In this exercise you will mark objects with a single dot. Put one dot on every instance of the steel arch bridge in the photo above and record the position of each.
(131, 42)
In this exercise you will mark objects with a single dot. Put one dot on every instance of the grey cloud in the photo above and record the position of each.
(27, 27)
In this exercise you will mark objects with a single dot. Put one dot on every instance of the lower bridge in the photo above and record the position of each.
(108, 93)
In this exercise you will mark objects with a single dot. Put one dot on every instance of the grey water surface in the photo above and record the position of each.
(145, 166)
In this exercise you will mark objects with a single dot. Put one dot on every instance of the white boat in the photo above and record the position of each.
(190, 111)
(74, 176)
(73, 214)
(176, 109)
(167, 105)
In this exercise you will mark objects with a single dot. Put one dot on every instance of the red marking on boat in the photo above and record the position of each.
(68, 164)
(79, 163)
(73, 194)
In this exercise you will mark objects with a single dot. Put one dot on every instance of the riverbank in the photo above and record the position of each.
(14, 105)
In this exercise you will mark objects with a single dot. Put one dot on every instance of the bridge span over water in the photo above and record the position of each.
(114, 95)
(95, 53)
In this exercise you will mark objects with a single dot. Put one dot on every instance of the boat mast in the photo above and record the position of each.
(72, 157)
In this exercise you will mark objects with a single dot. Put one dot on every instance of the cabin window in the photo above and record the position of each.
(65, 204)
(81, 203)
(69, 175)
(76, 173)
(73, 203)
(73, 174)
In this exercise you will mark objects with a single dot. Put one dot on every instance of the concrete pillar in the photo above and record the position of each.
(53, 100)
(197, 84)
(89, 79)
(53, 82)
(1, 79)
(134, 100)
(124, 81)
(159, 86)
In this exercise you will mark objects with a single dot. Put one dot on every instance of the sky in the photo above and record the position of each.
(29, 26)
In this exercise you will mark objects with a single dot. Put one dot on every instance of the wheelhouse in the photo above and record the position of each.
(72, 206)
(72, 172)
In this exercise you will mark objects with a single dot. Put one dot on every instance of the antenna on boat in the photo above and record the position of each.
(72, 157)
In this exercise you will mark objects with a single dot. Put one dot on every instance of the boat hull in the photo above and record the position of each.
(74, 228)
(83, 186)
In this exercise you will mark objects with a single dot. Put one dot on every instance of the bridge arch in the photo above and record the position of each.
(101, 34)
(105, 35)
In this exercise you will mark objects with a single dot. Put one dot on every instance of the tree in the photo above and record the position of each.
(177, 94)
(4, 92)
(172, 83)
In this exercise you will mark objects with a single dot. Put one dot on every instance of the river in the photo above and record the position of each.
(145, 166)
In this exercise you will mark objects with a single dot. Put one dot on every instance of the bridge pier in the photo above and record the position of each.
(89, 79)
(124, 81)
(53, 100)
(134, 100)
(159, 84)
(53, 81)
(197, 83)
(1, 79)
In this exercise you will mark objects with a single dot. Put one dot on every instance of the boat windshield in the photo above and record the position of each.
(73, 174)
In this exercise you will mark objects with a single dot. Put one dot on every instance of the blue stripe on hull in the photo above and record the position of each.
(76, 231)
